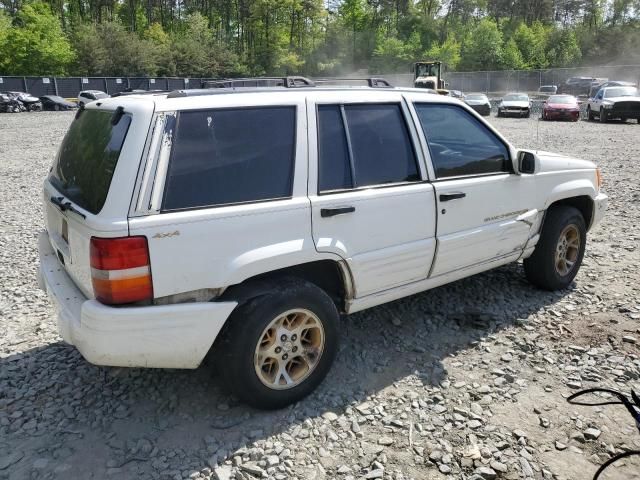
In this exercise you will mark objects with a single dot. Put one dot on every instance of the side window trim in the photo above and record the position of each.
(347, 134)
(487, 130)
(407, 123)
(167, 153)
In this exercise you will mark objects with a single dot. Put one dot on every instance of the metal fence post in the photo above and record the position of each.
(106, 85)
(55, 85)
(24, 82)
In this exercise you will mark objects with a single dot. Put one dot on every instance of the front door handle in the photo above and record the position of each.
(445, 197)
(332, 212)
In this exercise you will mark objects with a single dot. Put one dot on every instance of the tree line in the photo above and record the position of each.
(218, 38)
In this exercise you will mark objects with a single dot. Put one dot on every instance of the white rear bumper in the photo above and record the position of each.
(164, 336)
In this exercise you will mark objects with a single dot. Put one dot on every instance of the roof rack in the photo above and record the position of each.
(373, 82)
(225, 85)
(287, 82)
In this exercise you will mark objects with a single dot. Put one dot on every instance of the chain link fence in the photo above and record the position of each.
(494, 83)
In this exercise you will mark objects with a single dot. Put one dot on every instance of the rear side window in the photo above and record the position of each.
(88, 157)
(230, 156)
(373, 148)
(459, 144)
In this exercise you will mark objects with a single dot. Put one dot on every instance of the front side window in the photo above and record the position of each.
(373, 148)
(230, 156)
(459, 143)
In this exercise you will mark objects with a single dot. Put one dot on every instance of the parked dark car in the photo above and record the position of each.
(9, 104)
(54, 102)
(479, 102)
(579, 85)
(30, 103)
(561, 107)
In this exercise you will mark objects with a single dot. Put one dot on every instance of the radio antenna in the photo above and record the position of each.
(538, 135)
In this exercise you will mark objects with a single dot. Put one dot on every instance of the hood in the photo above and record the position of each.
(622, 99)
(477, 102)
(28, 98)
(515, 103)
(562, 106)
(551, 162)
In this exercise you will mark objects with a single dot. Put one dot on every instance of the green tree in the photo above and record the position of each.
(511, 56)
(532, 43)
(482, 47)
(36, 45)
(5, 30)
(391, 55)
(565, 51)
(447, 52)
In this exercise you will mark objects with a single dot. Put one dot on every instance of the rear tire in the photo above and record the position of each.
(56, 107)
(558, 255)
(263, 356)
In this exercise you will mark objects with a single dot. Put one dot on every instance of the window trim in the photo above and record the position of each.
(341, 105)
(437, 178)
(294, 153)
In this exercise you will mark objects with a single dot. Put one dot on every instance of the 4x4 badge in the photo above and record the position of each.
(165, 235)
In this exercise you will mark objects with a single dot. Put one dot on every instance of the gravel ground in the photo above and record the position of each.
(465, 381)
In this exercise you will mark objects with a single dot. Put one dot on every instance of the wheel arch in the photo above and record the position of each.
(583, 203)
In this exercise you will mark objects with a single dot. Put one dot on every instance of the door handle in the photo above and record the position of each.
(332, 212)
(445, 197)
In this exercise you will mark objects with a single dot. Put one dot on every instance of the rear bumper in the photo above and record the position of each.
(599, 208)
(164, 336)
(561, 114)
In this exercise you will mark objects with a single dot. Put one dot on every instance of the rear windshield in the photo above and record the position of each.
(87, 158)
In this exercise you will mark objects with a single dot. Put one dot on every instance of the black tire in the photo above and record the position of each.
(56, 107)
(604, 118)
(590, 115)
(246, 325)
(540, 268)
(623, 120)
(528, 114)
(499, 114)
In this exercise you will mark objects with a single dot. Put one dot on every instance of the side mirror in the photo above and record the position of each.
(526, 162)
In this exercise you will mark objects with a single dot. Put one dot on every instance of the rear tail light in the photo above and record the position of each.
(120, 270)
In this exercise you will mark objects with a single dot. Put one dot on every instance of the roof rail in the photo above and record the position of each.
(373, 82)
(287, 82)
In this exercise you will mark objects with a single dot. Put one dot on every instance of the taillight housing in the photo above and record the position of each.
(121, 270)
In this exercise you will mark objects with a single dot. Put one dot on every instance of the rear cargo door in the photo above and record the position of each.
(89, 188)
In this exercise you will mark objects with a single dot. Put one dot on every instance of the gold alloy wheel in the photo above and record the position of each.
(289, 349)
(567, 250)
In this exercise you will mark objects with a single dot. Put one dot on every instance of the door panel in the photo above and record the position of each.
(387, 241)
(483, 224)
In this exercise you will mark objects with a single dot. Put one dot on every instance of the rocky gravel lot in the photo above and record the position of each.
(466, 381)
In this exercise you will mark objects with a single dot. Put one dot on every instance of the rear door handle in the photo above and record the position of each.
(445, 197)
(332, 212)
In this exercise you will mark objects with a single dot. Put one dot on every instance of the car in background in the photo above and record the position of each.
(561, 107)
(27, 101)
(54, 102)
(517, 104)
(456, 94)
(579, 85)
(479, 102)
(613, 83)
(88, 96)
(615, 102)
(548, 90)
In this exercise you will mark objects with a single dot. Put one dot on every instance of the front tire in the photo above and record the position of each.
(590, 115)
(604, 118)
(558, 255)
(280, 344)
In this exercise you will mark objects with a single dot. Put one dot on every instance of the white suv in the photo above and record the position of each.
(88, 96)
(242, 223)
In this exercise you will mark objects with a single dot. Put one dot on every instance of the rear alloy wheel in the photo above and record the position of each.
(604, 118)
(558, 255)
(280, 344)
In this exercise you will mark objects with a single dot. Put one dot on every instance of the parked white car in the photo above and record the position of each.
(87, 96)
(243, 223)
(615, 102)
(515, 104)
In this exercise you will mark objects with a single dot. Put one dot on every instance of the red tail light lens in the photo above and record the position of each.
(120, 270)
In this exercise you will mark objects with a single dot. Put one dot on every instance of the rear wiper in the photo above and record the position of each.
(64, 206)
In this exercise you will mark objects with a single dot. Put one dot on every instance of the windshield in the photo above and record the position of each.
(564, 99)
(427, 70)
(547, 89)
(88, 157)
(100, 95)
(620, 92)
(476, 97)
(517, 97)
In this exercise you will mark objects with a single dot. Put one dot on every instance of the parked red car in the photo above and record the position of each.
(561, 107)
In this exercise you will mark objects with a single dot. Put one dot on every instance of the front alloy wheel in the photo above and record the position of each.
(567, 250)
